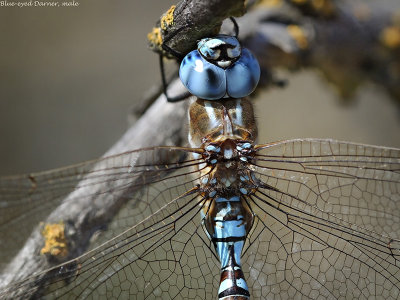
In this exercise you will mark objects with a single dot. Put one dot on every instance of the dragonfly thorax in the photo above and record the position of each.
(228, 151)
(212, 121)
(226, 167)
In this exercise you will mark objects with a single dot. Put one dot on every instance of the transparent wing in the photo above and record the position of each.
(327, 216)
(98, 190)
(328, 221)
(26, 200)
(165, 256)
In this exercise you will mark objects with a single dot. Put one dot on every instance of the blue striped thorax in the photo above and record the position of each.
(220, 68)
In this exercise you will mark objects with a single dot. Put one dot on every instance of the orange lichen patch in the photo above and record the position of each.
(298, 35)
(324, 7)
(390, 37)
(55, 241)
(318, 4)
(271, 3)
(168, 18)
(155, 37)
(299, 1)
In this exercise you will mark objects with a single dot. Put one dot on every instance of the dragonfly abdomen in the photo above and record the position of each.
(227, 222)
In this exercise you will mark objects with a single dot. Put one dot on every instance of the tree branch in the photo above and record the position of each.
(162, 124)
(348, 43)
(269, 33)
(182, 26)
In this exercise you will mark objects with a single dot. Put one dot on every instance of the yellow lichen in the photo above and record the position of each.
(55, 240)
(298, 35)
(390, 37)
(299, 1)
(155, 37)
(325, 7)
(168, 18)
(271, 3)
(318, 4)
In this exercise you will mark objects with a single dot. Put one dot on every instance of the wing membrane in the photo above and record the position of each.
(330, 213)
(327, 227)
(105, 186)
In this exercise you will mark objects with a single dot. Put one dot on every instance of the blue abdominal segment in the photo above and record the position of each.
(230, 225)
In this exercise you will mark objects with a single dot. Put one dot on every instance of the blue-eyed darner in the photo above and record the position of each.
(325, 219)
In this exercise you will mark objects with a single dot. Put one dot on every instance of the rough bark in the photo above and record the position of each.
(337, 44)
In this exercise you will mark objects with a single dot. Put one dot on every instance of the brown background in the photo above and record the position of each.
(68, 77)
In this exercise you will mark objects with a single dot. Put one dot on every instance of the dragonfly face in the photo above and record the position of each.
(307, 219)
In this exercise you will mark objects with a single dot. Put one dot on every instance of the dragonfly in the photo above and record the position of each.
(224, 218)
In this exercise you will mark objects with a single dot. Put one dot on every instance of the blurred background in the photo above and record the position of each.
(69, 76)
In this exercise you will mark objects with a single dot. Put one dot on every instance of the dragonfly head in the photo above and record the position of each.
(220, 68)
(222, 50)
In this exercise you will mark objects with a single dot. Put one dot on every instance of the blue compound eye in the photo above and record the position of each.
(202, 78)
(243, 76)
(220, 68)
